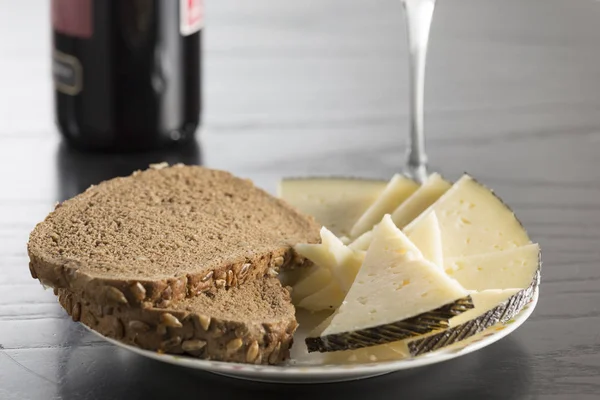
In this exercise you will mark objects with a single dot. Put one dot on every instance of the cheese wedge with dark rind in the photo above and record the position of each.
(490, 305)
(397, 294)
(473, 220)
(502, 313)
(400, 330)
(493, 305)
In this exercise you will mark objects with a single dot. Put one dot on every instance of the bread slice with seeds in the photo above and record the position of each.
(165, 234)
(253, 323)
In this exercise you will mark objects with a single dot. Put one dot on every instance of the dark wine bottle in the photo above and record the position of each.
(127, 73)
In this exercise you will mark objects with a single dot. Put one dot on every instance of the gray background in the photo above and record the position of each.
(319, 87)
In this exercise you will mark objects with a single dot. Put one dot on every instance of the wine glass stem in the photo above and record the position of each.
(419, 14)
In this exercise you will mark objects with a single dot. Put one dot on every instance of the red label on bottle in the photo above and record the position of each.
(73, 17)
(191, 16)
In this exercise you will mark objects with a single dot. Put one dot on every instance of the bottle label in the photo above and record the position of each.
(67, 73)
(72, 17)
(191, 16)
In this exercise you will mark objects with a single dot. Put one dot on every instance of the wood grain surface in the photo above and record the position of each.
(319, 87)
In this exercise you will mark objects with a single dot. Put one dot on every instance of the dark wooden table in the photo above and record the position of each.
(319, 87)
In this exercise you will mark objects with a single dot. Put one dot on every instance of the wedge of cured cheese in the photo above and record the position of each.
(473, 221)
(396, 294)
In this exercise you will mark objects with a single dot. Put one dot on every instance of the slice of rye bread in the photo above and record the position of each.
(164, 234)
(253, 323)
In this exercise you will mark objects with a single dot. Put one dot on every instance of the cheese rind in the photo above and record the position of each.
(427, 194)
(395, 284)
(411, 327)
(473, 221)
(500, 313)
(336, 203)
(485, 314)
(498, 270)
(484, 301)
(397, 190)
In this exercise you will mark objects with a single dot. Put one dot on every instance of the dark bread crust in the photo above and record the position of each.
(264, 253)
(179, 331)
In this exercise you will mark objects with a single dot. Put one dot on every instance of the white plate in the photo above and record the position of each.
(309, 368)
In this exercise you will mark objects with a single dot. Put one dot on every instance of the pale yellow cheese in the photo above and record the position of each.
(317, 330)
(473, 221)
(317, 253)
(381, 353)
(317, 278)
(325, 290)
(328, 298)
(336, 203)
(394, 283)
(499, 270)
(346, 263)
(483, 301)
(397, 190)
(426, 195)
(362, 242)
(428, 238)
